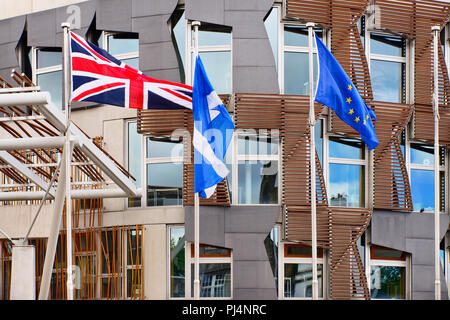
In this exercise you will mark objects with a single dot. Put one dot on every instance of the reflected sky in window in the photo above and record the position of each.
(387, 45)
(346, 185)
(422, 189)
(387, 80)
(257, 144)
(345, 148)
(134, 153)
(165, 175)
(422, 154)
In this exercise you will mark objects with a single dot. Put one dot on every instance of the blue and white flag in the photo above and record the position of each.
(213, 130)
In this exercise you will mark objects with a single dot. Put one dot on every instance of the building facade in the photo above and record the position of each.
(375, 221)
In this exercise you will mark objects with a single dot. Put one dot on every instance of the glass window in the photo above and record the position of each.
(164, 171)
(164, 184)
(298, 280)
(297, 271)
(271, 244)
(257, 168)
(388, 273)
(177, 262)
(122, 43)
(296, 59)
(215, 272)
(421, 176)
(48, 72)
(346, 172)
(388, 67)
(134, 263)
(179, 40)
(214, 46)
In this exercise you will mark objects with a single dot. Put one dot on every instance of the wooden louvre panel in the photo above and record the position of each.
(310, 11)
(165, 122)
(391, 182)
(347, 275)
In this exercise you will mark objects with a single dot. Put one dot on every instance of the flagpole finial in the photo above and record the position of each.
(196, 23)
(65, 25)
(310, 24)
(435, 28)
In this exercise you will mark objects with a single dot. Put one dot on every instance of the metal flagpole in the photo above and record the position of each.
(68, 159)
(315, 287)
(196, 24)
(437, 238)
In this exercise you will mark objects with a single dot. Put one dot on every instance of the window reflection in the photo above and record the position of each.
(271, 24)
(387, 45)
(258, 182)
(164, 184)
(346, 185)
(388, 80)
(298, 280)
(296, 72)
(159, 148)
(346, 148)
(257, 144)
(177, 262)
(298, 36)
(422, 189)
(388, 282)
(134, 160)
(215, 280)
(422, 154)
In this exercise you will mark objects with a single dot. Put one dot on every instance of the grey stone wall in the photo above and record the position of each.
(243, 229)
(412, 233)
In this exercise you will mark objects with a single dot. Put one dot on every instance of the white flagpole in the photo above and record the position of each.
(437, 238)
(315, 287)
(66, 97)
(196, 24)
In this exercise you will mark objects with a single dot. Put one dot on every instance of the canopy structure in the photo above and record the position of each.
(32, 137)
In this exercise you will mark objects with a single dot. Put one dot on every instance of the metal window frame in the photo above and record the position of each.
(189, 261)
(105, 41)
(235, 165)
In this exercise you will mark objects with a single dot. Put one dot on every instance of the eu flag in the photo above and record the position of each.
(336, 91)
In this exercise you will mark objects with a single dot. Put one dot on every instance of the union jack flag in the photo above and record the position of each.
(99, 77)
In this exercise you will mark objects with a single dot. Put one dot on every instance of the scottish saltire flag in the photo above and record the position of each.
(336, 91)
(99, 77)
(213, 130)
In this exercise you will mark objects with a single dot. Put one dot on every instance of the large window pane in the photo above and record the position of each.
(346, 185)
(157, 148)
(52, 82)
(387, 282)
(387, 45)
(346, 148)
(179, 37)
(133, 63)
(122, 43)
(258, 182)
(164, 184)
(296, 73)
(298, 280)
(387, 80)
(215, 280)
(422, 189)
(209, 35)
(177, 264)
(48, 58)
(218, 67)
